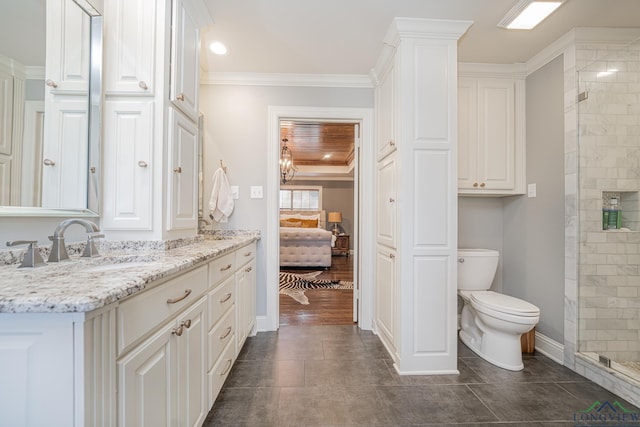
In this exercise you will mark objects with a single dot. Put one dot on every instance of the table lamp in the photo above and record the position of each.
(335, 218)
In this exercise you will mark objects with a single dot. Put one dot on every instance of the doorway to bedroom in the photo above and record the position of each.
(317, 220)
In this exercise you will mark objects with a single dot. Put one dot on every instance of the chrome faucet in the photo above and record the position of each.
(59, 251)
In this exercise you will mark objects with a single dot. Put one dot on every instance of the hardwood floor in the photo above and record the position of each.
(326, 306)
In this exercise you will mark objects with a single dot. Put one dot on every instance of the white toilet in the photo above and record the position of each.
(491, 323)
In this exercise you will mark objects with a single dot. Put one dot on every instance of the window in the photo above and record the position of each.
(300, 198)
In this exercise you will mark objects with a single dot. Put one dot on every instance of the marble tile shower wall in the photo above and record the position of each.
(609, 161)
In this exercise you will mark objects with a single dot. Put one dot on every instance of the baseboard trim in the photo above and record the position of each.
(550, 348)
(262, 325)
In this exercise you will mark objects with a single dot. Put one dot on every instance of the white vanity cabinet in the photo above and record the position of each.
(491, 140)
(246, 293)
(151, 60)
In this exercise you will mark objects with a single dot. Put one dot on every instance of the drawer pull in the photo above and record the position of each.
(175, 300)
(226, 267)
(226, 298)
(248, 254)
(177, 331)
(226, 333)
(248, 269)
(229, 362)
(186, 323)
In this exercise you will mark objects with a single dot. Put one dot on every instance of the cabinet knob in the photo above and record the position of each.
(482, 185)
(180, 97)
(392, 144)
(48, 162)
(475, 185)
(392, 256)
(186, 323)
(142, 164)
(177, 331)
(391, 200)
(51, 83)
(248, 269)
(92, 169)
(142, 85)
(178, 169)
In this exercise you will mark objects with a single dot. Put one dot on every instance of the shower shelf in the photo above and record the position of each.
(629, 203)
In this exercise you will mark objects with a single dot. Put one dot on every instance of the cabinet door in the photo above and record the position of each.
(467, 133)
(385, 293)
(65, 153)
(192, 370)
(496, 151)
(386, 94)
(130, 34)
(68, 51)
(128, 138)
(386, 202)
(185, 45)
(6, 112)
(183, 178)
(241, 308)
(147, 382)
(250, 297)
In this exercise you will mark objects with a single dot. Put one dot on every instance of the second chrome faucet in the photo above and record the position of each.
(58, 249)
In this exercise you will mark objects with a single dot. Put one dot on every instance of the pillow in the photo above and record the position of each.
(298, 217)
(309, 223)
(290, 223)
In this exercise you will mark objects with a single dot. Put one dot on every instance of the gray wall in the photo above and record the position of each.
(480, 222)
(235, 131)
(533, 254)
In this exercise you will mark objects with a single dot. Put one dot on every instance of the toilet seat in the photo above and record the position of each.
(505, 304)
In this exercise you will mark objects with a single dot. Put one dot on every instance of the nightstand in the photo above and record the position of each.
(342, 245)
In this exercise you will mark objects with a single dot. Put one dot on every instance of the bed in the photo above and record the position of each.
(304, 242)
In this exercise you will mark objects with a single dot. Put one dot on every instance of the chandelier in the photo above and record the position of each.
(287, 169)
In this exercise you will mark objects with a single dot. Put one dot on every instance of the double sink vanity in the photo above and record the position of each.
(143, 335)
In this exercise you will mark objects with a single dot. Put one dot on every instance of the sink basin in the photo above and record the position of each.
(117, 266)
(122, 262)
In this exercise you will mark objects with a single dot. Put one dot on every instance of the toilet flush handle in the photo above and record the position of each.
(460, 260)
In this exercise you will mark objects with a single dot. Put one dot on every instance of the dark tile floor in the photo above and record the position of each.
(342, 376)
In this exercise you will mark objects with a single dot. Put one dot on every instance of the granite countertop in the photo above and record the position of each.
(85, 284)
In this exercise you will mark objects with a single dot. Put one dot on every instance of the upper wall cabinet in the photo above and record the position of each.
(185, 45)
(130, 27)
(491, 152)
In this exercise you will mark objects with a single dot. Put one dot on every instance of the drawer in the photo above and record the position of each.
(221, 268)
(245, 254)
(220, 299)
(138, 315)
(221, 335)
(219, 373)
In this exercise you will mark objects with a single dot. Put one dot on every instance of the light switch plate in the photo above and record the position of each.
(235, 192)
(256, 192)
(531, 190)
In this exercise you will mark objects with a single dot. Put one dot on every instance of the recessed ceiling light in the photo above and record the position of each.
(526, 14)
(326, 156)
(218, 48)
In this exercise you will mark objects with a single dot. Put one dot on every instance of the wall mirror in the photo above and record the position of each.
(50, 108)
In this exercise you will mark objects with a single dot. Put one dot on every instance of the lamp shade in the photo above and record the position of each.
(335, 216)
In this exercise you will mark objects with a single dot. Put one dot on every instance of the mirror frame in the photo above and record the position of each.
(94, 131)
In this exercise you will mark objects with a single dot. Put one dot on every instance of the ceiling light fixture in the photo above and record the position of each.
(326, 156)
(218, 48)
(526, 14)
(287, 169)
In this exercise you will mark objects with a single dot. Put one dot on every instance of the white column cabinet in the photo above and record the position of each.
(416, 196)
(152, 50)
(185, 46)
(491, 136)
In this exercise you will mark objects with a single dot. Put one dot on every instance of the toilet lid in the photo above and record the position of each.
(504, 303)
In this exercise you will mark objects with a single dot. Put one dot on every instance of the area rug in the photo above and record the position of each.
(295, 284)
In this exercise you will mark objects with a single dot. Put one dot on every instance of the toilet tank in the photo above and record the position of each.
(476, 268)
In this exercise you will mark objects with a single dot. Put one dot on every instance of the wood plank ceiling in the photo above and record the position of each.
(310, 142)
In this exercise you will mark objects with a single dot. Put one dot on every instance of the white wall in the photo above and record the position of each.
(533, 260)
(235, 131)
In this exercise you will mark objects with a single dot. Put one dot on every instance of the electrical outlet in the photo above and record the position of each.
(531, 190)
(256, 192)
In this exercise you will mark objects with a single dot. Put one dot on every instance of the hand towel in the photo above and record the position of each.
(220, 203)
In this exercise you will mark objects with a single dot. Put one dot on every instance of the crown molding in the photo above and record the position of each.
(287, 79)
(471, 69)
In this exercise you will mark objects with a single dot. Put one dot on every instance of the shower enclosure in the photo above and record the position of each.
(608, 173)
